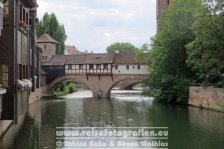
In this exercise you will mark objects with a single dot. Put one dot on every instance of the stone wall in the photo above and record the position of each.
(6, 124)
(48, 50)
(34, 96)
(207, 97)
(12, 130)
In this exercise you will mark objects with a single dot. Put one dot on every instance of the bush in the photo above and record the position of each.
(220, 84)
(64, 88)
(168, 88)
(72, 88)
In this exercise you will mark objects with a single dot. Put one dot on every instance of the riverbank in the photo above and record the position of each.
(209, 98)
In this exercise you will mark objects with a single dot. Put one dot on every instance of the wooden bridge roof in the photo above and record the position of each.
(57, 60)
(76, 59)
(92, 59)
(124, 59)
(99, 59)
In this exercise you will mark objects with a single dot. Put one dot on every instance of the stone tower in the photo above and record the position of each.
(161, 5)
(48, 46)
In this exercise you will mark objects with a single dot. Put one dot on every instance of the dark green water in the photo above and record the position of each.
(189, 127)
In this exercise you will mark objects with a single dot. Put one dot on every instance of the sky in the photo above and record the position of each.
(95, 24)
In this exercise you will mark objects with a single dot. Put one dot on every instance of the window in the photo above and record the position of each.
(60, 67)
(80, 66)
(45, 46)
(21, 13)
(20, 72)
(42, 57)
(105, 66)
(98, 66)
(4, 74)
(91, 66)
(27, 18)
(139, 67)
(24, 15)
(70, 67)
(45, 57)
(127, 67)
(116, 67)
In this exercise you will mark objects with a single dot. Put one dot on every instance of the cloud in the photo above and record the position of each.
(94, 24)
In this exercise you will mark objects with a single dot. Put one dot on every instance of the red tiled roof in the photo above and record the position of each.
(45, 38)
(72, 50)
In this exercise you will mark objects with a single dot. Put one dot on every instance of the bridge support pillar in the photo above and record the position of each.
(101, 93)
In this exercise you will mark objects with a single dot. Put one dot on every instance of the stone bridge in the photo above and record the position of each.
(99, 85)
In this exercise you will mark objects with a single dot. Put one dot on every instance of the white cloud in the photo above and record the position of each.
(93, 25)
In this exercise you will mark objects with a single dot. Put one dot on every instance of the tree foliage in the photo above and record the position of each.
(50, 25)
(142, 54)
(64, 88)
(206, 51)
(123, 47)
(169, 74)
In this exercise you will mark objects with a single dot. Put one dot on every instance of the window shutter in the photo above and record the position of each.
(1, 17)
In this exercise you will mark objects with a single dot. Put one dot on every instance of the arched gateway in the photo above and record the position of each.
(99, 72)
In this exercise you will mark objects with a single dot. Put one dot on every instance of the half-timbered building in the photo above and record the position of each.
(127, 64)
(17, 51)
(93, 64)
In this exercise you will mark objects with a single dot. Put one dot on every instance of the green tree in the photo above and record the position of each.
(50, 25)
(205, 52)
(169, 76)
(142, 54)
(122, 47)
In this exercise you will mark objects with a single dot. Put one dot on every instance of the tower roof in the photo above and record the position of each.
(46, 38)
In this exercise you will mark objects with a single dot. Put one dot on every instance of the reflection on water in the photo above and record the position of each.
(189, 127)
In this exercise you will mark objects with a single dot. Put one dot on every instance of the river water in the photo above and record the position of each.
(188, 127)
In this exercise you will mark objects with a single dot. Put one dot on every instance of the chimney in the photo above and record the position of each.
(86, 51)
(91, 51)
(117, 51)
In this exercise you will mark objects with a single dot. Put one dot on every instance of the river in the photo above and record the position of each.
(188, 127)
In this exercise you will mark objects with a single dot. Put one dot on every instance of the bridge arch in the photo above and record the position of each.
(59, 79)
(100, 86)
(130, 83)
